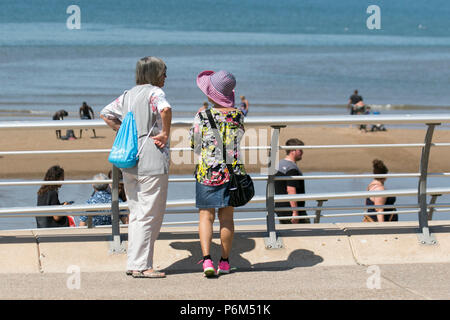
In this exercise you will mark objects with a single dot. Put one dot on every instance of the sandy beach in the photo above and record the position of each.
(83, 166)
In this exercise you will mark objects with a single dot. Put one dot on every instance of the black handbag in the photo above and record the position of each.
(240, 187)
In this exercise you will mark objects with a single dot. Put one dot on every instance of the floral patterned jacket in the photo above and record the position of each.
(211, 169)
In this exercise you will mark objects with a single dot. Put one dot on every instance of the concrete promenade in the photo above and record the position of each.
(318, 261)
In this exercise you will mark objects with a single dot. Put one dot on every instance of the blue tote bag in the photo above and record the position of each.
(124, 152)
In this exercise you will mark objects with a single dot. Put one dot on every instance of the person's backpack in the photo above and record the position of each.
(124, 152)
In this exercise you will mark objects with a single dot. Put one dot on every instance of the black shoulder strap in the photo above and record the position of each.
(212, 122)
(224, 147)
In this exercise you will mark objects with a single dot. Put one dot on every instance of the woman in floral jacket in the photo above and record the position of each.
(212, 173)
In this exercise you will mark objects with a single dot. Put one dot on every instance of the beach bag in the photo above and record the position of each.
(240, 187)
(124, 152)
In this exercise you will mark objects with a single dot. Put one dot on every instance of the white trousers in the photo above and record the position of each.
(146, 197)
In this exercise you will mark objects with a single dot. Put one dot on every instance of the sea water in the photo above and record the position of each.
(289, 57)
(22, 196)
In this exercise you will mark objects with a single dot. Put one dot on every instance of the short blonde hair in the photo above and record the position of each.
(149, 70)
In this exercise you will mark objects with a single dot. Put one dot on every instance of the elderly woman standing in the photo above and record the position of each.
(146, 183)
(212, 173)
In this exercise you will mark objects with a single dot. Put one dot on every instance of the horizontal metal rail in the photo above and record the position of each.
(361, 176)
(358, 194)
(77, 151)
(50, 210)
(254, 178)
(355, 146)
(47, 183)
(256, 120)
(94, 210)
(36, 152)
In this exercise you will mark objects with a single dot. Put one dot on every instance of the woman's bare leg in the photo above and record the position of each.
(205, 229)
(226, 230)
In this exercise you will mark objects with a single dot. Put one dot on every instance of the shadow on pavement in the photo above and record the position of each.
(241, 245)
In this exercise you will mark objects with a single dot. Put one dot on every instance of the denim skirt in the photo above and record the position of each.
(211, 196)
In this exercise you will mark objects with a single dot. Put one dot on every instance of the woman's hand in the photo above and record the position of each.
(112, 123)
(160, 140)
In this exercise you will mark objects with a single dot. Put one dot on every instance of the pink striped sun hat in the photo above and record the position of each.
(218, 86)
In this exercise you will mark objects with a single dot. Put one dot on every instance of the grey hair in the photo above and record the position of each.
(149, 70)
(100, 176)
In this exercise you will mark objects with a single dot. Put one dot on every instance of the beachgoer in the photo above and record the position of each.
(101, 195)
(70, 135)
(48, 196)
(288, 167)
(377, 184)
(86, 113)
(203, 107)
(212, 175)
(244, 105)
(59, 115)
(361, 108)
(377, 126)
(354, 99)
(146, 183)
(122, 194)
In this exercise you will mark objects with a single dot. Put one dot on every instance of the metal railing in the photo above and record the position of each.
(422, 208)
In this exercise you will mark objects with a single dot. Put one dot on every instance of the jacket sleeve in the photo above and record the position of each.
(114, 109)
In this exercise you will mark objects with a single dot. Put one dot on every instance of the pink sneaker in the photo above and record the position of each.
(224, 267)
(208, 268)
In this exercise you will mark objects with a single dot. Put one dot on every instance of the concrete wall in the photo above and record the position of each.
(178, 248)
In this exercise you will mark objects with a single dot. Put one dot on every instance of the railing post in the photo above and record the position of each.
(116, 245)
(90, 225)
(318, 211)
(272, 241)
(425, 237)
(431, 210)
